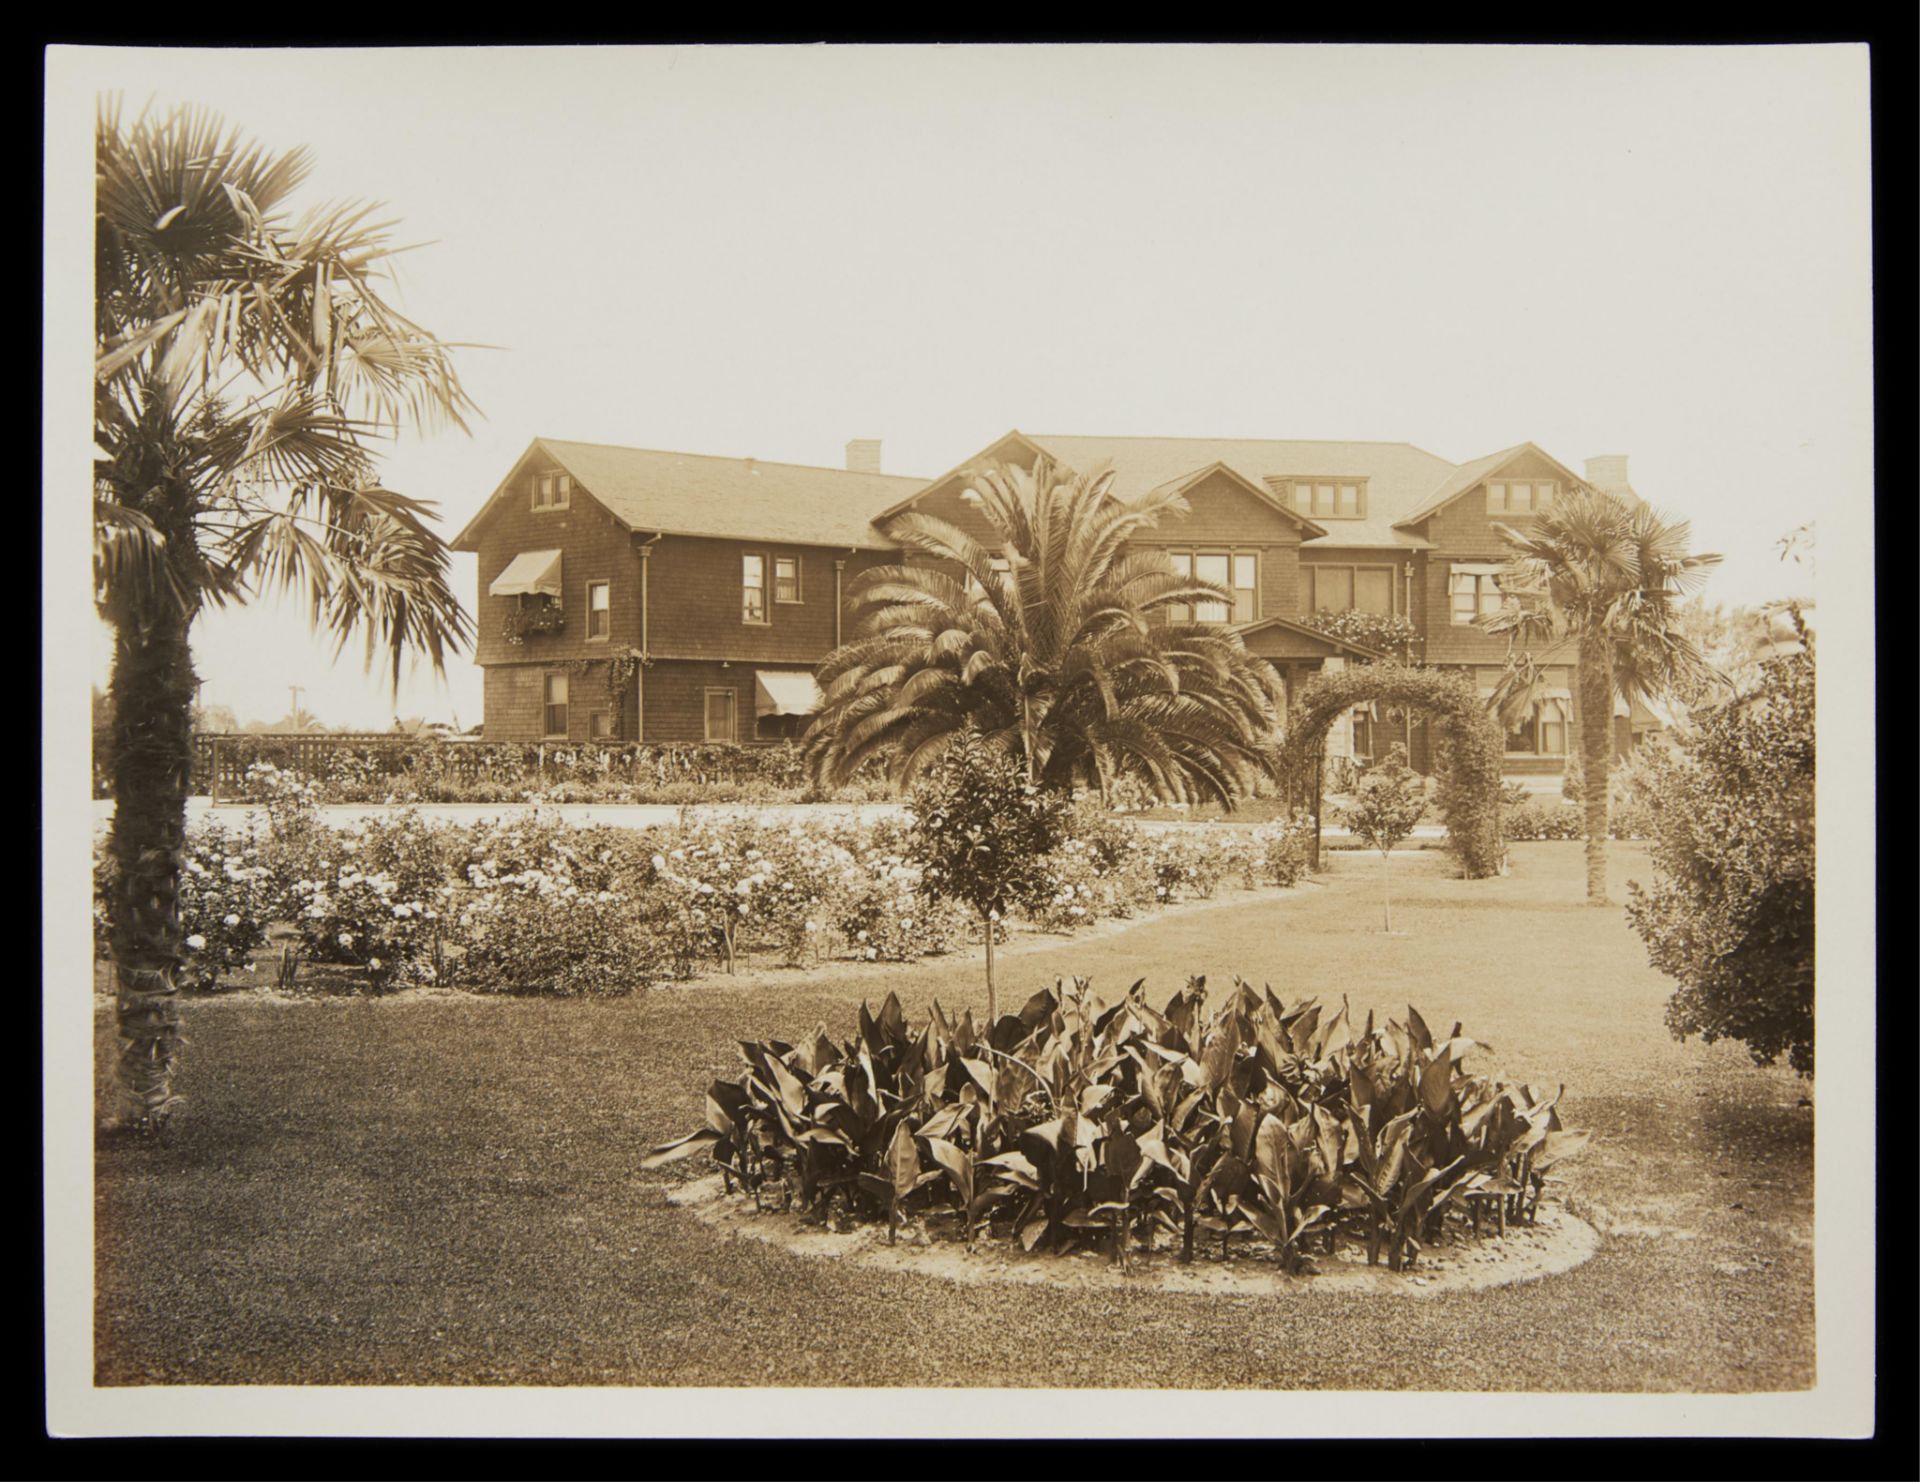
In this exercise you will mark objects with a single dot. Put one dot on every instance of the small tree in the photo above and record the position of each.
(1387, 804)
(1730, 913)
(980, 831)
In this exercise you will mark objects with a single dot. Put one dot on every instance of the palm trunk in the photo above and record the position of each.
(1594, 677)
(152, 693)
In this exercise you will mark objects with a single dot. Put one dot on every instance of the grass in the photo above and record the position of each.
(441, 1189)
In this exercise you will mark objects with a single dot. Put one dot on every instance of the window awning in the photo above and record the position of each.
(528, 574)
(785, 692)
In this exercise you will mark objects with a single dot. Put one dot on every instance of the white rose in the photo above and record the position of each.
(230, 919)
(196, 942)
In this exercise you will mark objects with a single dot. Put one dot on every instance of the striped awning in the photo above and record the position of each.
(529, 574)
(785, 692)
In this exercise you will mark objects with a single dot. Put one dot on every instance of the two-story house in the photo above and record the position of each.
(726, 574)
(730, 575)
(1295, 528)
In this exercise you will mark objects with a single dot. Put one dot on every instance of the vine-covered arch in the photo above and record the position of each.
(1469, 751)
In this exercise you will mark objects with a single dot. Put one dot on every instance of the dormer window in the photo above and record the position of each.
(1330, 498)
(1506, 497)
(552, 490)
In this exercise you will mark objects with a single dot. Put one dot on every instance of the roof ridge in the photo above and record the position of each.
(1146, 437)
(911, 478)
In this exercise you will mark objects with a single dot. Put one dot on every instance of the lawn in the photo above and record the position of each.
(438, 1189)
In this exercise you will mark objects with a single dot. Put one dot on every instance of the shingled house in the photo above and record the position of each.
(730, 574)
(726, 573)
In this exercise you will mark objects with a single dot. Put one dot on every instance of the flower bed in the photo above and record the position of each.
(1077, 1123)
(533, 905)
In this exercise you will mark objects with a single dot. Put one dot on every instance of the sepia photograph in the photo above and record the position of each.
(749, 738)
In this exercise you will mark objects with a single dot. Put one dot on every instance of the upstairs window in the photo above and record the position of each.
(786, 578)
(552, 490)
(599, 609)
(1331, 498)
(1346, 588)
(556, 705)
(1237, 571)
(1505, 497)
(1474, 592)
(753, 589)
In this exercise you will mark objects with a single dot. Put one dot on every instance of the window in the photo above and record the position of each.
(599, 609)
(786, 578)
(1542, 731)
(1237, 571)
(1474, 592)
(1345, 588)
(598, 727)
(753, 589)
(1183, 568)
(1214, 569)
(552, 490)
(1509, 498)
(1246, 588)
(1332, 498)
(556, 705)
(720, 715)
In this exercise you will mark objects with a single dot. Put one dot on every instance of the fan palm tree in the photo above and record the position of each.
(1067, 651)
(1600, 578)
(243, 361)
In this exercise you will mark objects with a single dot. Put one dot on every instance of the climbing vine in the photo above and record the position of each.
(620, 670)
(1468, 747)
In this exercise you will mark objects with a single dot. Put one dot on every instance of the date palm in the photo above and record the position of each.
(243, 363)
(1601, 578)
(1073, 657)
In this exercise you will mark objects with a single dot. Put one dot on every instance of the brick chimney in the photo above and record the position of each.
(1608, 473)
(863, 455)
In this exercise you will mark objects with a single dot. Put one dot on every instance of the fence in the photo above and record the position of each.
(220, 762)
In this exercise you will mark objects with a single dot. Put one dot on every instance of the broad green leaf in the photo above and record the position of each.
(680, 1147)
(903, 1161)
(957, 1165)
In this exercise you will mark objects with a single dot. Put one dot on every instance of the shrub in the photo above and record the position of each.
(1284, 850)
(1073, 1122)
(1730, 912)
(227, 903)
(375, 897)
(1539, 819)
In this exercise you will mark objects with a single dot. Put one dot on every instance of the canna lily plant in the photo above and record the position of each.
(1125, 1127)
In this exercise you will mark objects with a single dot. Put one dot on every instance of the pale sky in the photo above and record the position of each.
(1656, 252)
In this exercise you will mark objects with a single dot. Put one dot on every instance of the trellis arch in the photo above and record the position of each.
(1469, 751)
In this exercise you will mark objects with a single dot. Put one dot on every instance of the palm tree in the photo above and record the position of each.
(242, 363)
(1063, 647)
(1602, 577)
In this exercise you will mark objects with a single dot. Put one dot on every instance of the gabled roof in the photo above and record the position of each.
(725, 498)
(1397, 475)
(1467, 475)
(1259, 491)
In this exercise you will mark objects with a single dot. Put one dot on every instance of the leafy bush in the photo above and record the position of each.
(1284, 850)
(1730, 913)
(1073, 1122)
(1538, 818)
(227, 903)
